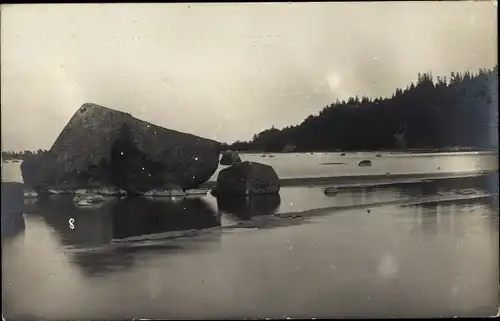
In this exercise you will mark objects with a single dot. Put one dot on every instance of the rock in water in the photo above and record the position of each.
(30, 193)
(105, 147)
(247, 178)
(190, 192)
(331, 191)
(162, 192)
(365, 162)
(229, 158)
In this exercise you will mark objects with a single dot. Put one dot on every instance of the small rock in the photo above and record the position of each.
(378, 155)
(331, 191)
(343, 154)
(162, 192)
(111, 191)
(81, 191)
(28, 193)
(86, 199)
(57, 191)
(365, 162)
(196, 191)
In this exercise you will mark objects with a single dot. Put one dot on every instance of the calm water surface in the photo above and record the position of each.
(410, 250)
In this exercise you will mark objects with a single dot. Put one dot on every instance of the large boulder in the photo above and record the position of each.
(29, 169)
(229, 158)
(102, 147)
(246, 178)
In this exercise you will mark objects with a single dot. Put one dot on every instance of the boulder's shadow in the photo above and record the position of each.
(244, 208)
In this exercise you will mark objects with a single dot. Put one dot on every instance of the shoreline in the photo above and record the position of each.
(359, 180)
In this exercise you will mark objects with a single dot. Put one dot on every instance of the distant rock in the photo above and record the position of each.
(229, 158)
(247, 178)
(378, 155)
(101, 147)
(342, 154)
(365, 162)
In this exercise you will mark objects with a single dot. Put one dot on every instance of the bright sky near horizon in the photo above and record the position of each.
(223, 70)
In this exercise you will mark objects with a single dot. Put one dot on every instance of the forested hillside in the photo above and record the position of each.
(456, 111)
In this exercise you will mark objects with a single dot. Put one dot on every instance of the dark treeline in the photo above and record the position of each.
(453, 111)
(9, 155)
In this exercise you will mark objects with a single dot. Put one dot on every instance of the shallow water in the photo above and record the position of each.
(302, 165)
(410, 250)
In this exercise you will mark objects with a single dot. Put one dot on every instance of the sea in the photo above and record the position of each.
(412, 235)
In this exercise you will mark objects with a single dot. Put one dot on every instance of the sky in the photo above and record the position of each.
(224, 71)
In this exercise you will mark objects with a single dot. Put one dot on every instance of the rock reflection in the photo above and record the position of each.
(246, 207)
(139, 216)
(12, 225)
(12, 210)
(122, 218)
(12, 197)
(118, 219)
